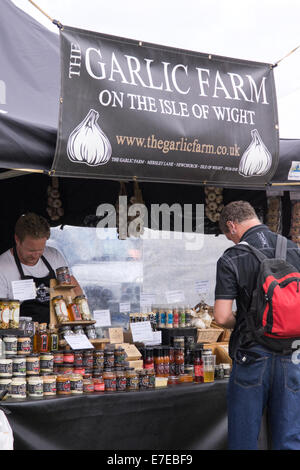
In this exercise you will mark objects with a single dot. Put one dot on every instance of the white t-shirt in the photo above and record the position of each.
(9, 271)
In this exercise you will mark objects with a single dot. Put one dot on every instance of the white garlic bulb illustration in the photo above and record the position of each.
(88, 143)
(256, 160)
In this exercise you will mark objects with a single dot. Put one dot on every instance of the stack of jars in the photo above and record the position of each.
(118, 376)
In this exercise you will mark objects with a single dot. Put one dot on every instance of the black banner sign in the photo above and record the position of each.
(130, 109)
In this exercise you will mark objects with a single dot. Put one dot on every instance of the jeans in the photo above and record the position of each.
(261, 378)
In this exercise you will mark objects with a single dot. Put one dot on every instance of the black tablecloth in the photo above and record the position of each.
(181, 417)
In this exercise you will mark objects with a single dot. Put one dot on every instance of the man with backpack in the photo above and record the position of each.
(261, 272)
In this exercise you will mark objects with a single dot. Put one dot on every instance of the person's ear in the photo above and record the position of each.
(231, 227)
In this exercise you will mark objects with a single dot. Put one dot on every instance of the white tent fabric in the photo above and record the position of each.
(258, 30)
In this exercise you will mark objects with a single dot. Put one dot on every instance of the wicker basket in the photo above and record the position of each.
(208, 335)
(225, 334)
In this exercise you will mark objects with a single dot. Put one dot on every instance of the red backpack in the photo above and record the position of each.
(274, 315)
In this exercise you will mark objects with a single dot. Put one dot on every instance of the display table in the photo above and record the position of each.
(181, 417)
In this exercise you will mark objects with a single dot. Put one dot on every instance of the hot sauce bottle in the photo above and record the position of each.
(149, 359)
(198, 366)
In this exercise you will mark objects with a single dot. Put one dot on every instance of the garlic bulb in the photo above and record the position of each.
(256, 160)
(88, 143)
(198, 323)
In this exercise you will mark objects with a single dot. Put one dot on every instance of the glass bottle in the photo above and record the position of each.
(149, 359)
(159, 363)
(73, 311)
(166, 362)
(53, 338)
(35, 346)
(43, 340)
(198, 366)
(179, 361)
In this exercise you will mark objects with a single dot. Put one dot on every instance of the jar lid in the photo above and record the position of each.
(58, 297)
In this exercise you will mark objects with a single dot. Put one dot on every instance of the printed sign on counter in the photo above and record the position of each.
(102, 318)
(24, 290)
(78, 342)
(141, 332)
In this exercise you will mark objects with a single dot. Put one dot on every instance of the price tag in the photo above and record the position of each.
(156, 339)
(102, 318)
(175, 296)
(78, 342)
(141, 332)
(147, 299)
(124, 307)
(202, 287)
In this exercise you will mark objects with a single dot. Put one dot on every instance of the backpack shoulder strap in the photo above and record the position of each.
(251, 249)
(281, 247)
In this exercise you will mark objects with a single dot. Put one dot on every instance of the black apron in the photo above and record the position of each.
(38, 308)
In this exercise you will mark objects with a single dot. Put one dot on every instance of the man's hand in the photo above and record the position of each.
(223, 313)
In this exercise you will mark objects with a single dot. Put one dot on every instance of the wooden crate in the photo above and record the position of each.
(220, 350)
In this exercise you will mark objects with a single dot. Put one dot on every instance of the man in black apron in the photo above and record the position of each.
(37, 308)
(30, 254)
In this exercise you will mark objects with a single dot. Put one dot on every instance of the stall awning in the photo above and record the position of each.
(29, 90)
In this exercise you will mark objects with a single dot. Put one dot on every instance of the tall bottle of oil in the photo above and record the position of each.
(53, 338)
(35, 344)
(73, 311)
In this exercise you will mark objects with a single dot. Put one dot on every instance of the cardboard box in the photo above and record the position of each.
(132, 352)
(136, 364)
(220, 350)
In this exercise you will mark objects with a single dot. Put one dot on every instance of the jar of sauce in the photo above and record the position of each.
(151, 375)
(98, 359)
(24, 345)
(99, 385)
(4, 314)
(35, 387)
(88, 385)
(11, 345)
(69, 357)
(83, 307)
(110, 383)
(63, 276)
(5, 384)
(49, 385)
(63, 384)
(132, 380)
(76, 384)
(18, 387)
(88, 360)
(33, 364)
(46, 362)
(58, 357)
(60, 308)
(6, 368)
(121, 381)
(143, 379)
(19, 366)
